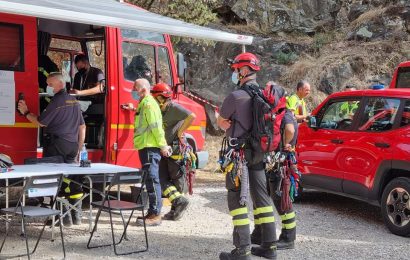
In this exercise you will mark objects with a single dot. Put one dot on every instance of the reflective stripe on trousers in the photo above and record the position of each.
(263, 215)
(288, 220)
(172, 193)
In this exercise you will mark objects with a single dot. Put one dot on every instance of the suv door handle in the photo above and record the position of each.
(382, 145)
(336, 141)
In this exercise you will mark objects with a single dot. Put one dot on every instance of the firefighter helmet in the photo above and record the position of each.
(246, 59)
(161, 89)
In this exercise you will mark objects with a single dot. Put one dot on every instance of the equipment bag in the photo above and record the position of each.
(268, 109)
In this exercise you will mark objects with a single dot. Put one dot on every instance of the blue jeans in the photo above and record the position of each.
(152, 156)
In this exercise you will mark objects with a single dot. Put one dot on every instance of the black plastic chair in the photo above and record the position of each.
(113, 205)
(36, 186)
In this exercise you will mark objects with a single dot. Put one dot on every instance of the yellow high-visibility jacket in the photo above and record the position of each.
(148, 131)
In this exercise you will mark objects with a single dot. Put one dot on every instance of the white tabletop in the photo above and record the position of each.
(44, 169)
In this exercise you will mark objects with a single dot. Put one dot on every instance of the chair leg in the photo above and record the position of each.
(25, 236)
(145, 229)
(39, 237)
(4, 240)
(123, 223)
(62, 236)
(124, 234)
(97, 218)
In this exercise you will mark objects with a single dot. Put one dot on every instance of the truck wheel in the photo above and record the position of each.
(395, 206)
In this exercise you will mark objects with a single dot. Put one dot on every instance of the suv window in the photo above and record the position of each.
(11, 47)
(379, 114)
(405, 117)
(340, 114)
(138, 61)
(403, 78)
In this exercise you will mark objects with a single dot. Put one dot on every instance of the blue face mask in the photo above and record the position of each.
(50, 91)
(235, 78)
(135, 95)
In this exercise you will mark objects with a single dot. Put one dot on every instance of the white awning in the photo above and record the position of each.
(115, 14)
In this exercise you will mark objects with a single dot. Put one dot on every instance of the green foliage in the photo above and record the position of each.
(192, 11)
(286, 58)
(321, 39)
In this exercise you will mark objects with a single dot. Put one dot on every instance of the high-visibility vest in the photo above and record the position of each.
(148, 130)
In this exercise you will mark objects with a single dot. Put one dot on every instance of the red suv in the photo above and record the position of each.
(357, 144)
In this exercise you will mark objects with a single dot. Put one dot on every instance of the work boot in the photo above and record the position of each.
(286, 239)
(181, 204)
(239, 253)
(282, 244)
(170, 214)
(150, 220)
(266, 250)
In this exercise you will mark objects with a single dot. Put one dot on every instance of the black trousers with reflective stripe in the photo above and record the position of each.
(260, 199)
(170, 174)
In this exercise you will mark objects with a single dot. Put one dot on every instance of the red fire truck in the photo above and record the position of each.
(111, 34)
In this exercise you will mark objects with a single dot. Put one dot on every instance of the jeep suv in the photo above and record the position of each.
(357, 144)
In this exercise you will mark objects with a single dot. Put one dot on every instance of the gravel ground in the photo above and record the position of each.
(329, 227)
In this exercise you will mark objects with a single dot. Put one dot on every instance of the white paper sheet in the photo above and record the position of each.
(7, 98)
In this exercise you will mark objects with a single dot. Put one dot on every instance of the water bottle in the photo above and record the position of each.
(83, 154)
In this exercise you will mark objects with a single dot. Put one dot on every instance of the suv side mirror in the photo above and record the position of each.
(181, 65)
(312, 122)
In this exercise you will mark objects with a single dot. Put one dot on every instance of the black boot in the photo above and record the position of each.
(286, 239)
(239, 253)
(282, 244)
(170, 214)
(181, 204)
(266, 250)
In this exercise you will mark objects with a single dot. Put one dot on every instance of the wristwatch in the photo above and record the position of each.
(26, 113)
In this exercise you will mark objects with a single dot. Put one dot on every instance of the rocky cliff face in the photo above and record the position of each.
(330, 43)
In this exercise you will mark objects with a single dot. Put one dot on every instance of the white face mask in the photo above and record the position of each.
(50, 91)
(235, 78)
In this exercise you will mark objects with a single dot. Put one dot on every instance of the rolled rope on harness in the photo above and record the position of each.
(244, 184)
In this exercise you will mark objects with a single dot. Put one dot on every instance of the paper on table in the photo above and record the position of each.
(7, 96)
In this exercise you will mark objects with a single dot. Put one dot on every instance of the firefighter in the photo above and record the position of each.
(287, 237)
(149, 140)
(296, 102)
(64, 135)
(236, 118)
(176, 119)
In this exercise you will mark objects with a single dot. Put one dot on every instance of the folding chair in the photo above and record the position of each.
(36, 186)
(114, 205)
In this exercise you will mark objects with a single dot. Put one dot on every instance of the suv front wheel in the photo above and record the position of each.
(395, 206)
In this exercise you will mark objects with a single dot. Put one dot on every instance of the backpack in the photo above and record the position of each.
(268, 109)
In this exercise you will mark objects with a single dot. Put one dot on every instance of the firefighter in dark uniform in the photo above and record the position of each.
(236, 117)
(288, 216)
(64, 135)
(88, 80)
(176, 119)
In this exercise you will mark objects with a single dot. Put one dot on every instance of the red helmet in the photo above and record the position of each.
(161, 89)
(246, 59)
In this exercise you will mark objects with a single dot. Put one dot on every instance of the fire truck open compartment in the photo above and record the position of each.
(62, 42)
